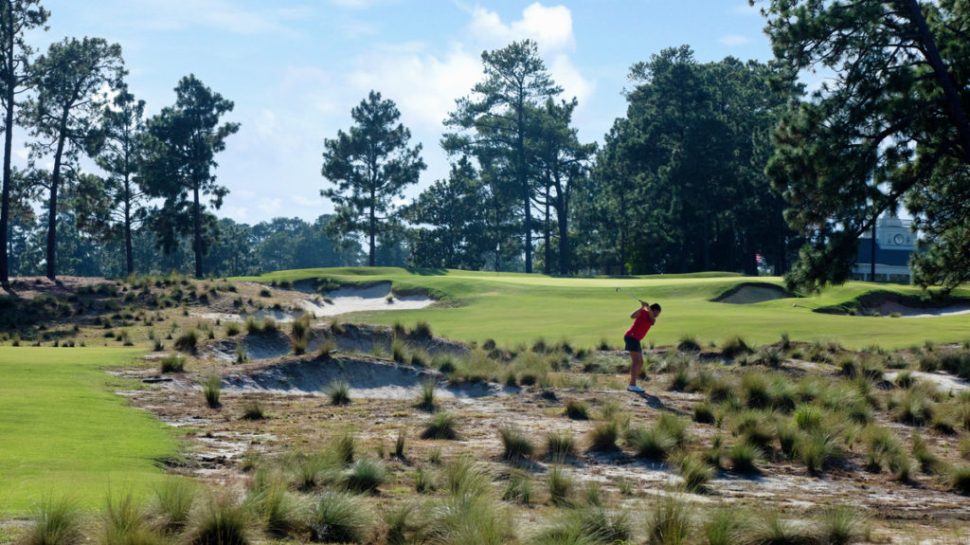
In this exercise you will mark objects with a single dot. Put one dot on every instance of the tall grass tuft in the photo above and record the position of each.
(465, 477)
(723, 526)
(365, 476)
(187, 342)
(770, 528)
(734, 346)
(124, 522)
(426, 398)
(220, 521)
(560, 486)
(441, 426)
(603, 436)
(469, 519)
(339, 392)
(744, 458)
(212, 389)
(56, 522)
(345, 448)
(668, 523)
(173, 501)
(172, 364)
(577, 410)
(515, 444)
(560, 446)
(518, 488)
(339, 517)
(279, 512)
(695, 471)
(253, 410)
(960, 479)
(841, 525)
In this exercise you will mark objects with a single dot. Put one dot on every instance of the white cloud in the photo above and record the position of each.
(734, 39)
(567, 75)
(551, 27)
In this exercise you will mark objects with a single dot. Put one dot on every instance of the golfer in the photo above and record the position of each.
(643, 319)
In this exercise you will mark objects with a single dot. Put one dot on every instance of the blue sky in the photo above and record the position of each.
(294, 68)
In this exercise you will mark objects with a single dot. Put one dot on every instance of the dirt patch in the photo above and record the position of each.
(376, 297)
(748, 293)
(256, 347)
(945, 382)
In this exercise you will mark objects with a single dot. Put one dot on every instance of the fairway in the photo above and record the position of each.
(518, 308)
(64, 433)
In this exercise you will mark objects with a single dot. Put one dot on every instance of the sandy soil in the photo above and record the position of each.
(944, 381)
(890, 308)
(747, 294)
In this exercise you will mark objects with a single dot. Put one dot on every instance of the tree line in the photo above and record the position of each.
(725, 165)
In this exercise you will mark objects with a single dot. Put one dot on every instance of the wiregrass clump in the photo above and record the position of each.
(339, 392)
(212, 390)
(440, 426)
(339, 517)
(668, 523)
(516, 445)
(220, 521)
(173, 501)
(56, 522)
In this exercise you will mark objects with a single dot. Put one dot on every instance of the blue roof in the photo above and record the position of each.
(883, 257)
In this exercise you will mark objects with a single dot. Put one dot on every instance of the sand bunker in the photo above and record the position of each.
(945, 382)
(377, 297)
(256, 347)
(895, 308)
(752, 292)
(886, 303)
(367, 379)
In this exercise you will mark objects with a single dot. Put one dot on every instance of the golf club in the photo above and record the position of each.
(637, 299)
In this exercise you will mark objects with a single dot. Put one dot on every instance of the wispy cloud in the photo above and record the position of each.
(734, 39)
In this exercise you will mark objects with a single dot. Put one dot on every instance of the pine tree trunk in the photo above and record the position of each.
(372, 260)
(52, 208)
(8, 67)
(524, 184)
(129, 259)
(197, 228)
(547, 239)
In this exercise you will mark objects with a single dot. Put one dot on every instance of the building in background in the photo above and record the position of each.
(895, 242)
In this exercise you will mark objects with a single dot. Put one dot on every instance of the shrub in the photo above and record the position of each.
(422, 330)
(173, 501)
(441, 426)
(560, 486)
(173, 364)
(734, 346)
(339, 392)
(365, 475)
(604, 434)
(695, 471)
(341, 518)
(187, 342)
(253, 410)
(426, 399)
(960, 479)
(668, 523)
(704, 413)
(577, 410)
(560, 446)
(220, 521)
(688, 343)
(56, 522)
(515, 444)
(744, 458)
(211, 389)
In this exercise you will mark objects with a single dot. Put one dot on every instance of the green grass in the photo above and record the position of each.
(67, 434)
(517, 308)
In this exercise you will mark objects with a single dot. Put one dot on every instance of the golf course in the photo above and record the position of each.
(515, 308)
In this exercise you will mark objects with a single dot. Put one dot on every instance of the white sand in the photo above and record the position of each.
(372, 298)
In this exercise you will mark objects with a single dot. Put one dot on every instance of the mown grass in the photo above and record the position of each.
(516, 308)
(72, 434)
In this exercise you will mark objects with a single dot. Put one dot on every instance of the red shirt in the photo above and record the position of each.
(641, 325)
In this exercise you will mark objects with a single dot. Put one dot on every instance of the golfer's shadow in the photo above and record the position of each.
(652, 401)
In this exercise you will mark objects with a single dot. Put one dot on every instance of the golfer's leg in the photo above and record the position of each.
(637, 358)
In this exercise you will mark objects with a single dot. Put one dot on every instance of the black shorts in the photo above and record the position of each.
(632, 345)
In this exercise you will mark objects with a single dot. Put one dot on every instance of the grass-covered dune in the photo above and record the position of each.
(65, 434)
(513, 308)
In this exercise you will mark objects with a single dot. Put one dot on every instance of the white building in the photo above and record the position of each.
(895, 242)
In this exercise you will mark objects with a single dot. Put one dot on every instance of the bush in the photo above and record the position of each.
(603, 436)
(441, 426)
(841, 525)
(668, 523)
(253, 410)
(515, 444)
(187, 342)
(695, 471)
(688, 343)
(173, 501)
(734, 346)
(365, 475)
(211, 389)
(960, 479)
(220, 521)
(577, 410)
(341, 518)
(422, 330)
(744, 458)
(173, 364)
(560, 446)
(339, 392)
(56, 522)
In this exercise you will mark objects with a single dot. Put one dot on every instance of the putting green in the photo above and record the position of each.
(518, 308)
(62, 431)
